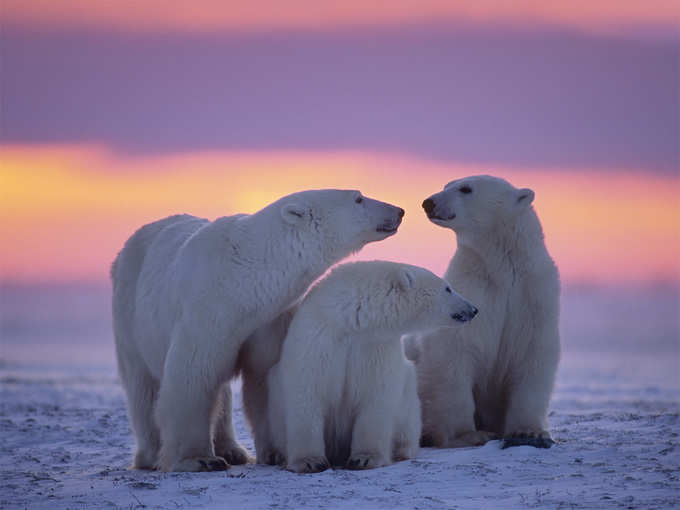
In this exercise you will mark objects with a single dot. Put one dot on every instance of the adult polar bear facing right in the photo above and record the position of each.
(494, 377)
(343, 393)
(188, 292)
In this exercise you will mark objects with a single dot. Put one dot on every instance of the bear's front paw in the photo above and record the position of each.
(365, 461)
(309, 465)
(271, 457)
(198, 464)
(528, 437)
(236, 455)
(473, 438)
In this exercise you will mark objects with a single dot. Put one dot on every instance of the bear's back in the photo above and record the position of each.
(155, 303)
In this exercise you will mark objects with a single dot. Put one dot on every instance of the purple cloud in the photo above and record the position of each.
(466, 94)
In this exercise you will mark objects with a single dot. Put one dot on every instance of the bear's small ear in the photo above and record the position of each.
(524, 198)
(293, 213)
(406, 279)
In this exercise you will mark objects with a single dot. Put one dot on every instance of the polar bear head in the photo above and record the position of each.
(339, 221)
(479, 203)
(396, 298)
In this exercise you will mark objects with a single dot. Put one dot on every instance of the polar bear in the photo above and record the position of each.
(494, 377)
(343, 394)
(257, 356)
(188, 292)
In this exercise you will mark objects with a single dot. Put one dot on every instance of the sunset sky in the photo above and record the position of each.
(118, 113)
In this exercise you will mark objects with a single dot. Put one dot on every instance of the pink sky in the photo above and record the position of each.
(211, 15)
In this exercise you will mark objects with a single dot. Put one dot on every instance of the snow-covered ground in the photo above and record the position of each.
(65, 441)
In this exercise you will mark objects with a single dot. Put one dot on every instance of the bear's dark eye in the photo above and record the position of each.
(448, 289)
(465, 189)
(359, 200)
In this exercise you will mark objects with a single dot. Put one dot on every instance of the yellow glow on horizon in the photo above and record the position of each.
(65, 211)
(215, 15)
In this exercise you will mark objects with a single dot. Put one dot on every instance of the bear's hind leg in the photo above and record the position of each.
(224, 436)
(141, 390)
(255, 406)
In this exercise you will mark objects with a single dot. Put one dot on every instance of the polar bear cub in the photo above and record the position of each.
(496, 376)
(343, 394)
(188, 292)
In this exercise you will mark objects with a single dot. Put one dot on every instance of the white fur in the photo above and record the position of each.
(343, 393)
(259, 353)
(188, 292)
(495, 376)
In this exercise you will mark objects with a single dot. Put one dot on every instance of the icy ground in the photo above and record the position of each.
(65, 441)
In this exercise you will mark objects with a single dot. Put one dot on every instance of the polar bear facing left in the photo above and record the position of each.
(496, 376)
(343, 394)
(188, 292)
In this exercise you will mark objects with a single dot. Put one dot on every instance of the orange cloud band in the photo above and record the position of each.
(66, 211)
(212, 15)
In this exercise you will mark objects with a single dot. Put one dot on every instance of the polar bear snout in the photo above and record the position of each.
(428, 205)
(459, 308)
(436, 211)
(392, 222)
(465, 315)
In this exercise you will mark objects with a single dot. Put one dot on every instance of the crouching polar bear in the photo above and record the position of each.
(188, 292)
(494, 377)
(343, 394)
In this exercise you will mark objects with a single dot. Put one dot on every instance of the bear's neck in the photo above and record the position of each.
(291, 259)
(516, 247)
(305, 256)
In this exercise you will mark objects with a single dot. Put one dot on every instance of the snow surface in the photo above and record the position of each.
(615, 414)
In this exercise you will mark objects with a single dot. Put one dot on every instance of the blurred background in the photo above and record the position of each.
(115, 114)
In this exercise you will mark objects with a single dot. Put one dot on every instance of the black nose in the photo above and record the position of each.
(401, 212)
(474, 311)
(428, 205)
